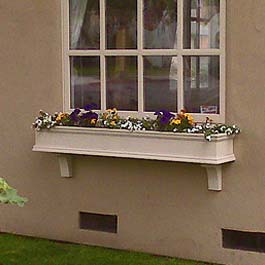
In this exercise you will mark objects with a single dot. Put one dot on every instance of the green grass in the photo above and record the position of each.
(18, 250)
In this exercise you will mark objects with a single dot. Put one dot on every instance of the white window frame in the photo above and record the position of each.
(180, 52)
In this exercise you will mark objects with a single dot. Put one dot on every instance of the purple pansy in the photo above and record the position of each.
(76, 111)
(90, 116)
(165, 116)
(74, 115)
(90, 107)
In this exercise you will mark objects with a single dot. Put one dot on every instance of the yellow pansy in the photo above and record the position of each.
(113, 123)
(189, 117)
(61, 116)
(115, 117)
(93, 121)
(175, 122)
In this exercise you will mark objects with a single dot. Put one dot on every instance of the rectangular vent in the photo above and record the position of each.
(249, 241)
(98, 222)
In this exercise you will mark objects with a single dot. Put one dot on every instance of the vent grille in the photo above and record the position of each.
(249, 241)
(98, 222)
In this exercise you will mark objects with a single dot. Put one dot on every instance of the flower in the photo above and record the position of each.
(76, 111)
(93, 121)
(74, 115)
(112, 111)
(165, 116)
(165, 121)
(189, 117)
(89, 115)
(90, 107)
(62, 116)
(115, 117)
(175, 122)
(208, 138)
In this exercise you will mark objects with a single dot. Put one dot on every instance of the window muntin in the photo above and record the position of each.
(181, 48)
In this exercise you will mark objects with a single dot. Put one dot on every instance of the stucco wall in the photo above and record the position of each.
(163, 208)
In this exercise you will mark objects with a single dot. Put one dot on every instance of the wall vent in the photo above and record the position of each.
(249, 241)
(98, 222)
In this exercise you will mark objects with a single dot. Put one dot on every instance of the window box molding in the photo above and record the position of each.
(163, 146)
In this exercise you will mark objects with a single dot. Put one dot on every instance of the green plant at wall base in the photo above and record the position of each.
(8, 195)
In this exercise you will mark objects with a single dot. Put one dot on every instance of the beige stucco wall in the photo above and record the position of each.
(163, 208)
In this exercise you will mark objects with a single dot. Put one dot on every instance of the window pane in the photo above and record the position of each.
(122, 86)
(160, 24)
(84, 24)
(201, 84)
(121, 17)
(160, 83)
(201, 24)
(85, 81)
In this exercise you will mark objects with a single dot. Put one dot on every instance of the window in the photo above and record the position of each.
(141, 56)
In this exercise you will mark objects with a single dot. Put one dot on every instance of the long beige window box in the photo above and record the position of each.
(178, 147)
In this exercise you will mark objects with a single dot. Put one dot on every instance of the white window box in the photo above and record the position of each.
(179, 147)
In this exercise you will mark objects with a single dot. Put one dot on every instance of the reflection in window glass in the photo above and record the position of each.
(160, 24)
(121, 17)
(201, 24)
(201, 84)
(85, 81)
(84, 24)
(160, 83)
(122, 83)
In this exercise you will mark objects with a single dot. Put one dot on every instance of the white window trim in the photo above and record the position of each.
(180, 52)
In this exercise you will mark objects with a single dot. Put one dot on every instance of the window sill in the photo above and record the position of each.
(178, 147)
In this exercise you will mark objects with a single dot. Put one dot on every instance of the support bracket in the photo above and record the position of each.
(214, 174)
(65, 162)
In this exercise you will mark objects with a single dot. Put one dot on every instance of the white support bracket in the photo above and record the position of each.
(65, 162)
(214, 174)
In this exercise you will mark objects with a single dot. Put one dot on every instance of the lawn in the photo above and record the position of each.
(18, 250)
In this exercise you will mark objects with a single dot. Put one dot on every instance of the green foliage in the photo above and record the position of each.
(165, 121)
(9, 195)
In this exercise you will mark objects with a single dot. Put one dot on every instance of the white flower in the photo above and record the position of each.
(39, 123)
(229, 131)
(222, 129)
(209, 138)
